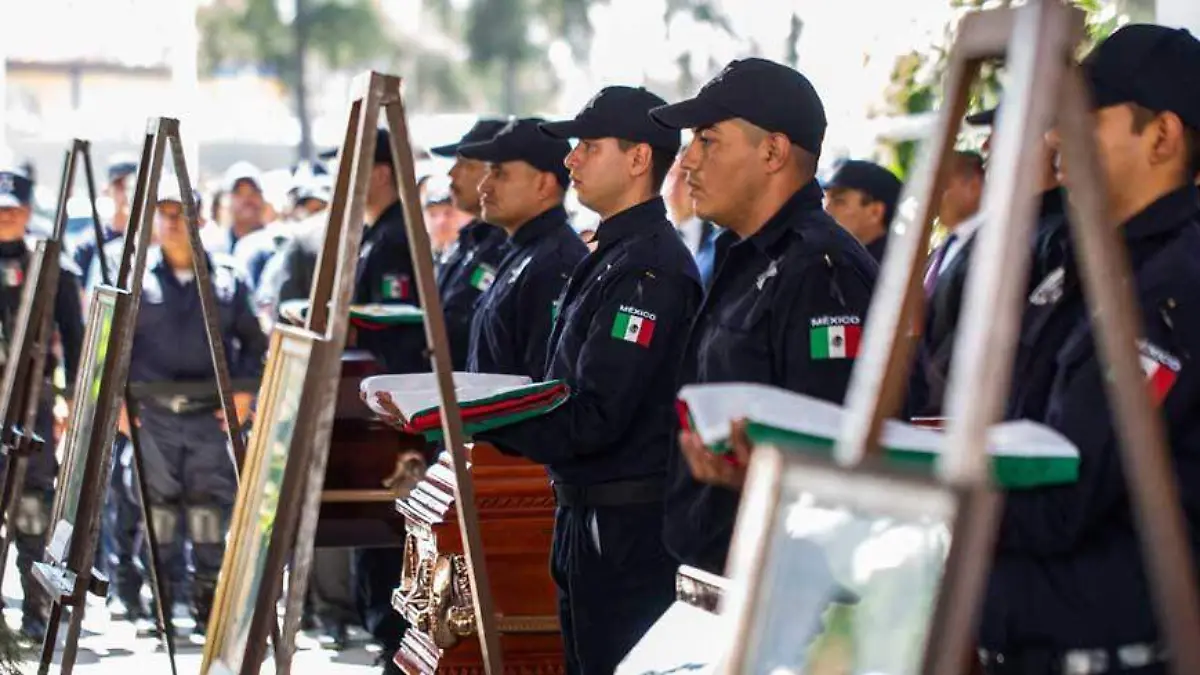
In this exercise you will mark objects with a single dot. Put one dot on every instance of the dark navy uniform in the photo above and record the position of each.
(1068, 583)
(776, 292)
(384, 274)
(466, 274)
(33, 517)
(620, 325)
(800, 272)
(512, 321)
(190, 476)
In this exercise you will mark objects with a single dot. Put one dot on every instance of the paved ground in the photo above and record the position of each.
(111, 647)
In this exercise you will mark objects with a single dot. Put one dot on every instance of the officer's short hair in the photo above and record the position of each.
(1143, 116)
(661, 161)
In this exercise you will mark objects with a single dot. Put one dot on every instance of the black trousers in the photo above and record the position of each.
(614, 581)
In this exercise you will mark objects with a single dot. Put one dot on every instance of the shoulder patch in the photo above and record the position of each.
(633, 325)
(483, 276)
(833, 337)
(395, 287)
(1161, 369)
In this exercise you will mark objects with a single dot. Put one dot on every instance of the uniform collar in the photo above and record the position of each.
(14, 248)
(806, 198)
(541, 225)
(1171, 212)
(157, 262)
(878, 248)
(1053, 202)
(476, 231)
(631, 221)
(391, 216)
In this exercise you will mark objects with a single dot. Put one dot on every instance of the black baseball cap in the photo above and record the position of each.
(483, 130)
(1153, 66)
(15, 189)
(383, 148)
(521, 140)
(120, 166)
(872, 180)
(766, 94)
(618, 112)
(983, 118)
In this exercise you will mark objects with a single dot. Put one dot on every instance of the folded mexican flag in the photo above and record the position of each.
(487, 401)
(1024, 453)
(373, 316)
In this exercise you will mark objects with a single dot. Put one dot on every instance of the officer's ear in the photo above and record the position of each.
(779, 151)
(641, 158)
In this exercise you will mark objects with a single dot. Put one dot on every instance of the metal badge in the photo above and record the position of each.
(772, 270)
(1050, 290)
(516, 273)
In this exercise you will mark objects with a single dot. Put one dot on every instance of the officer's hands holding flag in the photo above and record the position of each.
(727, 470)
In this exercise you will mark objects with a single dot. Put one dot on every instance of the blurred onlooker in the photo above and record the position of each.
(443, 219)
(247, 208)
(698, 235)
(862, 198)
(121, 169)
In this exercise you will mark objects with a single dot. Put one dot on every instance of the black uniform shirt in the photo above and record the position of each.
(468, 271)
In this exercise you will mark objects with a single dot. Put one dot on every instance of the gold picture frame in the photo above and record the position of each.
(254, 554)
(835, 570)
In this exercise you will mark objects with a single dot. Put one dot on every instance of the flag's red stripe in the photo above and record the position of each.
(853, 336)
(645, 332)
(1162, 379)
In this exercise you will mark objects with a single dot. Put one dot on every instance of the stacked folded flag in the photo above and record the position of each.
(1024, 454)
(486, 401)
(373, 316)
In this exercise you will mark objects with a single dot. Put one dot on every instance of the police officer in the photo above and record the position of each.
(120, 168)
(1068, 590)
(190, 476)
(752, 167)
(862, 198)
(622, 323)
(470, 266)
(699, 235)
(522, 193)
(1050, 235)
(33, 514)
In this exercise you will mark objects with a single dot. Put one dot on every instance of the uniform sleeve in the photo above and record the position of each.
(817, 339)
(535, 316)
(298, 269)
(637, 329)
(252, 343)
(68, 317)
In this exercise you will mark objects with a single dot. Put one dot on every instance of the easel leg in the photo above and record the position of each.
(14, 477)
(74, 628)
(51, 639)
(162, 615)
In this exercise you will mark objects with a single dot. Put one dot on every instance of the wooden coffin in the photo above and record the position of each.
(357, 508)
(516, 515)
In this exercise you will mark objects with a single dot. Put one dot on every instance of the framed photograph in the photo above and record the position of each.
(281, 401)
(94, 417)
(835, 571)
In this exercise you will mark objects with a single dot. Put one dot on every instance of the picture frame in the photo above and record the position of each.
(835, 570)
(87, 443)
(266, 502)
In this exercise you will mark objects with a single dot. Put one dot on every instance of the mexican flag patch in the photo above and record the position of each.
(834, 337)
(1161, 369)
(13, 275)
(634, 325)
(395, 287)
(482, 277)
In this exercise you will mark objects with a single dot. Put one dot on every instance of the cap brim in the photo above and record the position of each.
(450, 150)
(566, 129)
(9, 202)
(983, 118)
(486, 151)
(332, 153)
(690, 114)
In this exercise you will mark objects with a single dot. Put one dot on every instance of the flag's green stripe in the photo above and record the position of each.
(818, 343)
(620, 325)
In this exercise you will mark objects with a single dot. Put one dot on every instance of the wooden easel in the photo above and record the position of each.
(31, 338)
(1046, 86)
(328, 314)
(68, 573)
